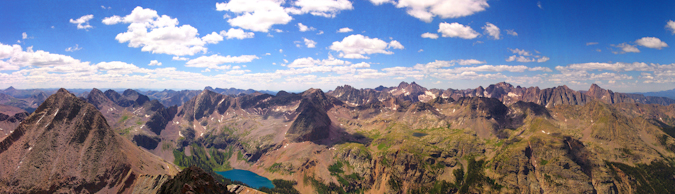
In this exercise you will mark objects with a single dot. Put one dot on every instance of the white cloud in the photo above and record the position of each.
(439, 64)
(427, 10)
(524, 56)
(651, 42)
(618, 67)
(213, 61)
(75, 48)
(155, 63)
(24, 35)
(626, 48)
(121, 68)
(511, 32)
(325, 8)
(161, 35)
(457, 30)
(177, 58)
(309, 43)
(521, 52)
(492, 30)
(430, 35)
(671, 26)
(83, 20)
(13, 57)
(468, 62)
(395, 45)
(591, 43)
(212, 38)
(320, 32)
(236, 33)
(304, 28)
(379, 2)
(310, 62)
(112, 20)
(255, 15)
(345, 30)
(539, 5)
(356, 46)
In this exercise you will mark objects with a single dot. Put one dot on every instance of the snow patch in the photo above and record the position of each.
(57, 112)
(511, 94)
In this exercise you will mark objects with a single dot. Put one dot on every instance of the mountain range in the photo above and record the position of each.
(400, 139)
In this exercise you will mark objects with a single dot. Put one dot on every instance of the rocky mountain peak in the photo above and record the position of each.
(282, 93)
(70, 140)
(595, 88)
(380, 88)
(403, 84)
(504, 85)
(131, 94)
(10, 88)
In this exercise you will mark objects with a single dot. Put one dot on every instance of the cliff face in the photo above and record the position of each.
(67, 146)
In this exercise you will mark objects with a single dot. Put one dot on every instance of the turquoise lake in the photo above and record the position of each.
(251, 179)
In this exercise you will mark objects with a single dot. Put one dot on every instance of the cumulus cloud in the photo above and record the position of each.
(671, 26)
(457, 30)
(617, 66)
(24, 36)
(430, 35)
(651, 42)
(310, 62)
(255, 15)
(309, 43)
(214, 61)
(427, 10)
(177, 58)
(212, 38)
(304, 28)
(14, 57)
(626, 48)
(524, 56)
(492, 30)
(155, 63)
(345, 30)
(357, 46)
(395, 45)
(511, 32)
(325, 8)
(379, 2)
(83, 20)
(161, 35)
(74, 48)
(236, 33)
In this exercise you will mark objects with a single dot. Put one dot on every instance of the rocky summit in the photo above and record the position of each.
(67, 146)
(402, 139)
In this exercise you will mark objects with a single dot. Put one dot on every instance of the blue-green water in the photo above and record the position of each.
(251, 179)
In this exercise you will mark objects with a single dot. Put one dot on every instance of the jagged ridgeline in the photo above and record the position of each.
(66, 146)
(402, 139)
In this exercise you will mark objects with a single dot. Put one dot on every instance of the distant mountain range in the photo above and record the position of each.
(399, 139)
(665, 93)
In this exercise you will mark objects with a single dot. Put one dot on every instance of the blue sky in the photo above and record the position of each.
(295, 45)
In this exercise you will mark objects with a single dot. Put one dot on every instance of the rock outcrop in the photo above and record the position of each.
(67, 146)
